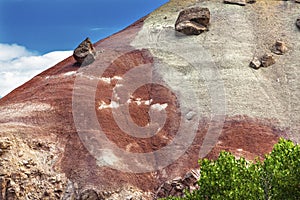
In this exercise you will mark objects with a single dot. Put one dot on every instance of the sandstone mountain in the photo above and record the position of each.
(151, 103)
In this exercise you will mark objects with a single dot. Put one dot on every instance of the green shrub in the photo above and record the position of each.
(280, 172)
(277, 178)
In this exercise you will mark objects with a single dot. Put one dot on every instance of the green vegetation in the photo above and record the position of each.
(276, 178)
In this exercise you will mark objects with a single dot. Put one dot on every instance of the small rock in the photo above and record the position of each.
(85, 53)
(58, 189)
(193, 21)
(3, 183)
(279, 48)
(255, 63)
(180, 187)
(298, 22)
(129, 198)
(10, 193)
(89, 195)
(251, 1)
(167, 186)
(70, 192)
(46, 194)
(236, 2)
(190, 178)
(5, 145)
(297, 1)
(190, 115)
(177, 180)
(267, 60)
(52, 180)
(175, 192)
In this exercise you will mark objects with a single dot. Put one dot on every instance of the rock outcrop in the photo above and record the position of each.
(85, 53)
(152, 104)
(193, 21)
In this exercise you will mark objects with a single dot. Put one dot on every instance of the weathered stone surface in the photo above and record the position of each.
(85, 53)
(267, 60)
(42, 108)
(255, 63)
(279, 48)
(193, 21)
(29, 176)
(237, 2)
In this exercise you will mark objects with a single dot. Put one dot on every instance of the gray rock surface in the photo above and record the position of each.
(236, 35)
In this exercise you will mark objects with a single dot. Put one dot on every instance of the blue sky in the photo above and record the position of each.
(47, 25)
(46, 31)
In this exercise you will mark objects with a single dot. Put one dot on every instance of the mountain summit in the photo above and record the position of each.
(151, 102)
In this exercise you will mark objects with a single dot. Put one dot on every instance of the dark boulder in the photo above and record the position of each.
(85, 53)
(193, 21)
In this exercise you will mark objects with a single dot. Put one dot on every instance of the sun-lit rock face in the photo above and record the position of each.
(151, 104)
(85, 53)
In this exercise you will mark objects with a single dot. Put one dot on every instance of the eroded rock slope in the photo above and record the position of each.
(67, 134)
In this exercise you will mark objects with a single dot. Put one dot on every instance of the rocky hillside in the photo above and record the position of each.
(132, 122)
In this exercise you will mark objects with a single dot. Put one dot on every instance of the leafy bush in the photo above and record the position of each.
(276, 178)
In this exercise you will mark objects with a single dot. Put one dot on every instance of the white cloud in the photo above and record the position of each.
(9, 52)
(97, 29)
(18, 65)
